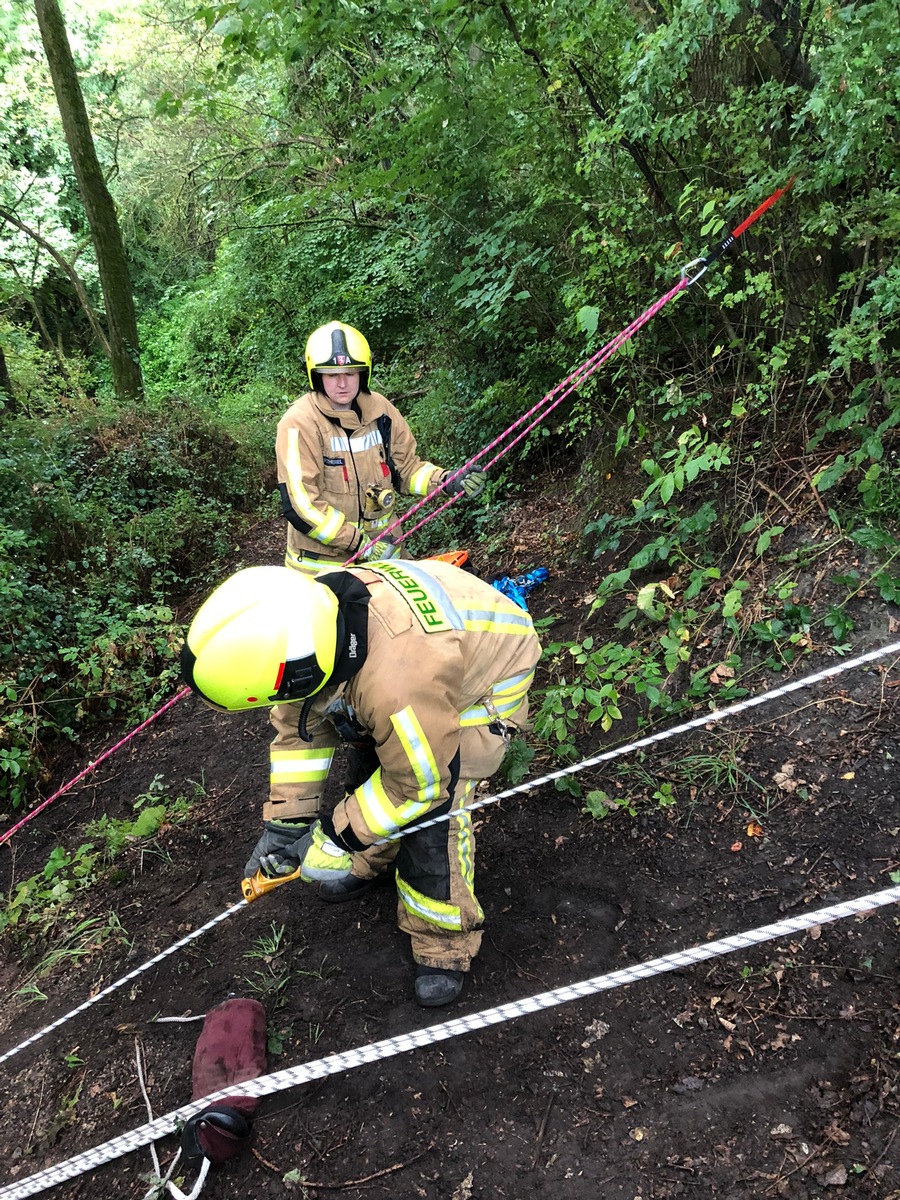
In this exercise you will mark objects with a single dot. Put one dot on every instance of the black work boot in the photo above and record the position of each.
(436, 985)
(336, 891)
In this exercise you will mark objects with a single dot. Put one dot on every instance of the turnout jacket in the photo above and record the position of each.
(447, 656)
(326, 460)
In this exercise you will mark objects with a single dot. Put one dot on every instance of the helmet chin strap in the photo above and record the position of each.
(302, 732)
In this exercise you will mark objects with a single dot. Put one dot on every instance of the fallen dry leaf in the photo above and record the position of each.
(783, 780)
(595, 1031)
(720, 673)
(754, 829)
(836, 1178)
(464, 1191)
(834, 1133)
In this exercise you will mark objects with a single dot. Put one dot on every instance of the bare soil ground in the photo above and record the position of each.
(768, 1074)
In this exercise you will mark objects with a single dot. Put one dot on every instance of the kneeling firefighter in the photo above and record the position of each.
(426, 665)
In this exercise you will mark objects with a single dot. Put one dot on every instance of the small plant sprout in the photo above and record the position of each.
(270, 980)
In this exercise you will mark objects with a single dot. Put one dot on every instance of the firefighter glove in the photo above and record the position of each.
(322, 859)
(279, 850)
(469, 481)
(380, 551)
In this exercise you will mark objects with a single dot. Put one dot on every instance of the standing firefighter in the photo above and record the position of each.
(428, 665)
(342, 452)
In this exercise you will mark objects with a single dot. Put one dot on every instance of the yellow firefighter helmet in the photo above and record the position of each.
(337, 347)
(267, 635)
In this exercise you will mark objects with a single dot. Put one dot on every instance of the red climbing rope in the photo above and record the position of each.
(92, 766)
(557, 394)
(573, 381)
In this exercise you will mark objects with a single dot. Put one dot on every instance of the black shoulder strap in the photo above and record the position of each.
(383, 425)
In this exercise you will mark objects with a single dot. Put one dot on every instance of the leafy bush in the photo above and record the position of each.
(105, 517)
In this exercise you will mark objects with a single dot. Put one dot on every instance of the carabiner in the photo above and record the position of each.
(700, 274)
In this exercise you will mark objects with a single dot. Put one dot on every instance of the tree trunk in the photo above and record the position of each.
(109, 248)
(6, 387)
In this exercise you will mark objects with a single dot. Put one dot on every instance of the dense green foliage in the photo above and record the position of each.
(104, 516)
(490, 191)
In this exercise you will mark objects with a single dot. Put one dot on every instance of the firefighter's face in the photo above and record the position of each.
(341, 387)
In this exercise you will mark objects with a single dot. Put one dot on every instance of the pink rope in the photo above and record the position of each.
(92, 766)
(574, 380)
(576, 377)
(571, 382)
(542, 408)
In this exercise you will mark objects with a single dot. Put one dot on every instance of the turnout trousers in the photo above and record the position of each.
(435, 878)
(437, 905)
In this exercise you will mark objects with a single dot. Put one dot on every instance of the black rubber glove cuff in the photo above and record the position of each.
(347, 840)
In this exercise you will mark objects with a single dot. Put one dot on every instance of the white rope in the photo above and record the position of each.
(719, 714)
(113, 987)
(195, 1191)
(663, 735)
(164, 1182)
(139, 1068)
(347, 1060)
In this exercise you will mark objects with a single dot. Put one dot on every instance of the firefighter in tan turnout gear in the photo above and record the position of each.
(428, 664)
(343, 452)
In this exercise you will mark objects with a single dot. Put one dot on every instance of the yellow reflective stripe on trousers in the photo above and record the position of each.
(299, 766)
(464, 844)
(435, 912)
(378, 811)
(439, 912)
(505, 698)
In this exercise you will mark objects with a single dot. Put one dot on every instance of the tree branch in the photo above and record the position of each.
(67, 267)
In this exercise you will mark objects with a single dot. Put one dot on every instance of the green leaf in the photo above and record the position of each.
(829, 476)
(227, 26)
(765, 538)
(587, 319)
